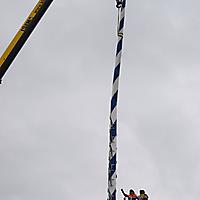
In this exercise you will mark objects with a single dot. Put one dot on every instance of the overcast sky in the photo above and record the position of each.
(55, 100)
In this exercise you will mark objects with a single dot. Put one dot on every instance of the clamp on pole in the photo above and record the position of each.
(119, 3)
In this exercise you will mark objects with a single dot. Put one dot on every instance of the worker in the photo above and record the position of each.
(130, 196)
(143, 195)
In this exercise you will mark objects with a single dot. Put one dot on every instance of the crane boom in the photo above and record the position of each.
(22, 35)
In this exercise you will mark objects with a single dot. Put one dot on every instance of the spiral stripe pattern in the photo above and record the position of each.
(112, 176)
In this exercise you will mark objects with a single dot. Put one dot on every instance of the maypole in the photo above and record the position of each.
(112, 175)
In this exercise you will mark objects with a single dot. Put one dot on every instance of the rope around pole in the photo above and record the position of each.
(112, 175)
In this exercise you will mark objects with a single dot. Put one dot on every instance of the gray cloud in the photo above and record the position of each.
(55, 101)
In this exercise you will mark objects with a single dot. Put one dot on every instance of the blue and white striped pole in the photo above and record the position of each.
(112, 175)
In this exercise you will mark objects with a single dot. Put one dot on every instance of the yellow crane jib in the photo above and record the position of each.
(22, 35)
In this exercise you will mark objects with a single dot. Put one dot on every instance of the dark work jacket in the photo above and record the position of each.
(143, 197)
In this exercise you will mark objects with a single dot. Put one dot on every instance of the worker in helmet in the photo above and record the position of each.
(143, 195)
(130, 196)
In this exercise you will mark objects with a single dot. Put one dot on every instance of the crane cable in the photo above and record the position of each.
(112, 175)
